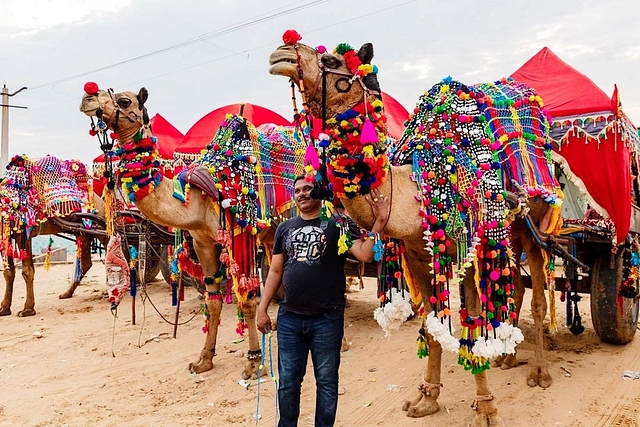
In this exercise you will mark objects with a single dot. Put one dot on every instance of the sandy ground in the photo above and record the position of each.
(73, 364)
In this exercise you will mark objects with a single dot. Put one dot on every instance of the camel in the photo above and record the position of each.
(197, 208)
(343, 80)
(23, 241)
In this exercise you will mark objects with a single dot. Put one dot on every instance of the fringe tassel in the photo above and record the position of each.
(77, 275)
(551, 287)
(109, 201)
(466, 358)
(47, 258)
(133, 291)
(174, 293)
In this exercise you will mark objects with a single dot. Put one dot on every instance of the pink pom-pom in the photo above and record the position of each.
(494, 275)
(321, 49)
(369, 134)
(311, 157)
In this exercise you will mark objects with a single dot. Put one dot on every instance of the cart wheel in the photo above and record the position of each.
(614, 318)
(154, 264)
(187, 280)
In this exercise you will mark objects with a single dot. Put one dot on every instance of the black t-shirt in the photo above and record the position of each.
(313, 276)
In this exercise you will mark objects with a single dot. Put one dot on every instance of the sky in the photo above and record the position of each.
(194, 56)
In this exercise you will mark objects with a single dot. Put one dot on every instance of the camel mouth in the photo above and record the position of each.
(282, 63)
(89, 105)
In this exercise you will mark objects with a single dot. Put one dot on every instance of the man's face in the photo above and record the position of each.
(302, 195)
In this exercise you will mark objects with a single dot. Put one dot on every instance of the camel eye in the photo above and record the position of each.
(124, 102)
(331, 61)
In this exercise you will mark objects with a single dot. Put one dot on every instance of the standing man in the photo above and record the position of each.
(311, 315)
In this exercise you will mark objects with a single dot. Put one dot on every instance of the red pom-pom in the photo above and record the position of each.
(291, 37)
(91, 88)
(114, 136)
(92, 132)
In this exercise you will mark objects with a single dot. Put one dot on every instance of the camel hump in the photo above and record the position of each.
(200, 177)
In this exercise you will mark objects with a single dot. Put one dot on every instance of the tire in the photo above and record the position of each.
(154, 264)
(187, 280)
(613, 326)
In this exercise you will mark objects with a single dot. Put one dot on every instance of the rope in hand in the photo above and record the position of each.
(273, 377)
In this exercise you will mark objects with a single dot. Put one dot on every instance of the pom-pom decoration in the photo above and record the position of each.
(291, 37)
(91, 88)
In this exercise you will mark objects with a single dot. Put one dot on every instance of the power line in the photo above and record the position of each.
(258, 19)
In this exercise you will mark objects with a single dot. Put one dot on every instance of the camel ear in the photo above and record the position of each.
(142, 96)
(366, 53)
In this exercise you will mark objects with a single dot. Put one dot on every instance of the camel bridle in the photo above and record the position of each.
(101, 128)
(322, 78)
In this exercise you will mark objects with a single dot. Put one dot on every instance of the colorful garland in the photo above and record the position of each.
(138, 169)
(357, 152)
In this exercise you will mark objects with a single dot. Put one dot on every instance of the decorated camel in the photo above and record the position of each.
(446, 181)
(223, 200)
(33, 194)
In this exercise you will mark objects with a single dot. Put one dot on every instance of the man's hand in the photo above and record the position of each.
(263, 321)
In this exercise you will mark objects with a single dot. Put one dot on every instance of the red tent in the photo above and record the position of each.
(592, 137)
(203, 131)
(168, 139)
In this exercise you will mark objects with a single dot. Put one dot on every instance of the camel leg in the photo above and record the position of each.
(85, 265)
(9, 277)
(510, 360)
(539, 373)
(425, 401)
(28, 273)
(254, 356)
(484, 403)
(209, 256)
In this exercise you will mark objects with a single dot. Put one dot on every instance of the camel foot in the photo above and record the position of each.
(66, 295)
(506, 362)
(27, 312)
(421, 406)
(539, 376)
(204, 364)
(5, 311)
(486, 412)
(251, 370)
(484, 420)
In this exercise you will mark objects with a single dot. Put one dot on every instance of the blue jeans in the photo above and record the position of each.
(297, 336)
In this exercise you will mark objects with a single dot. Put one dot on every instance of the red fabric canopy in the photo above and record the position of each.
(396, 116)
(168, 137)
(203, 131)
(602, 162)
(564, 90)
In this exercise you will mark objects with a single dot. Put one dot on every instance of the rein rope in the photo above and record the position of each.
(271, 373)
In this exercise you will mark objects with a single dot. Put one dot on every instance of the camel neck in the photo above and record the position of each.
(139, 166)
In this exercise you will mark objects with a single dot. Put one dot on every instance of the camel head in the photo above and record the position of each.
(346, 73)
(124, 112)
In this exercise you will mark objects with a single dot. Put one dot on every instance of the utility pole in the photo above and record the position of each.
(4, 138)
